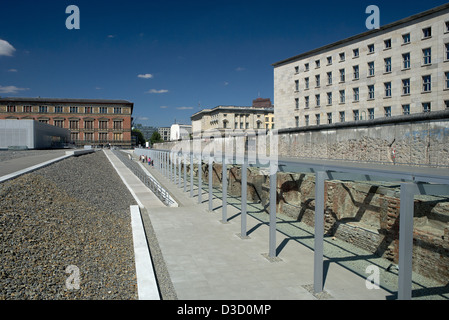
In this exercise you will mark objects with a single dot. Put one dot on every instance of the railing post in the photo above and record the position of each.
(244, 196)
(200, 178)
(273, 191)
(210, 182)
(191, 174)
(224, 179)
(185, 171)
(319, 232)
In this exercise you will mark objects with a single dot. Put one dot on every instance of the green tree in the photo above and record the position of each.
(156, 137)
(139, 135)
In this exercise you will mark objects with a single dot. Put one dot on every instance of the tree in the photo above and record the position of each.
(139, 135)
(156, 137)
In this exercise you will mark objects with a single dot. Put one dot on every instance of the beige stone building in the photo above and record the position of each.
(399, 69)
(230, 118)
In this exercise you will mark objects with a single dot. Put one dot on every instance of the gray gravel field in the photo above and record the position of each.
(72, 213)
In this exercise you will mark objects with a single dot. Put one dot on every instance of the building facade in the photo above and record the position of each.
(91, 122)
(180, 132)
(229, 118)
(165, 133)
(399, 69)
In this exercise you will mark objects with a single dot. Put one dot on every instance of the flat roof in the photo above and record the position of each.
(233, 108)
(364, 34)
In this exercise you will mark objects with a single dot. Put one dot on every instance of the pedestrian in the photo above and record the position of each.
(149, 161)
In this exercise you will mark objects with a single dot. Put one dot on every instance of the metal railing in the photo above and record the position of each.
(150, 182)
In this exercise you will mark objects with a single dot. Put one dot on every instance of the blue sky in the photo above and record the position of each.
(171, 58)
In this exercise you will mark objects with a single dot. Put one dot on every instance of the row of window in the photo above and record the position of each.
(426, 33)
(59, 109)
(405, 90)
(102, 137)
(427, 60)
(88, 124)
(356, 115)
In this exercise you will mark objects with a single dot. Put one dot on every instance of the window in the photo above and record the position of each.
(371, 92)
(88, 136)
(27, 109)
(446, 103)
(118, 136)
(58, 109)
(73, 109)
(426, 83)
(342, 116)
(58, 123)
(342, 56)
(342, 96)
(342, 75)
(317, 99)
(103, 136)
(88, 124)
(306, 120)
(74, 136)
(329, 78)
(356, 94)
(329, 117)
(426, 32)
(296, 121)
(306, 102)
(371, 68)
(371, 113)
(446, 52)
(296, 69)
(405, 109)
(329, 60)
(306, 67)
(74, 124)
(329, 98)
(297, 85)
(43, 109)
(356, 72)
(446, 80)
(317, 80)
(406, 86)
(44, 121)
(387, 65)
(387, 89)
(102, 124)
(387, 44)
(296, 103)
(387, 111)
(317, 63)
(117, 110)
(446, 26)
(406, 60)
(118, 125)
(355, 52)
(306, 83)
(87, 109)
(356, 115)
(318, 119)
(371, 48)
(11, 109)
(426, 53)
(426, 107)
(406, 38)
(103, 110)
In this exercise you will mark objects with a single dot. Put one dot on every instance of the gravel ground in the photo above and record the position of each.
(72, 213)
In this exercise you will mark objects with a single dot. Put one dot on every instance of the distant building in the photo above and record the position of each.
(90, 121)
(229, 118)
(180, 132)
(165, 133)
(147, 132)
(399, 69)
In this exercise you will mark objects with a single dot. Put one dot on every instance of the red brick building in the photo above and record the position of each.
(90, 121)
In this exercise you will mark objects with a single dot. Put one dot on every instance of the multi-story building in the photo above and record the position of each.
(91, 122)
(165, 133)
(399, 69)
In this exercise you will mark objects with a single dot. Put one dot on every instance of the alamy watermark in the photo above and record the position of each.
(372, 281)
(373, 20)
(73, 281)
(72, 21)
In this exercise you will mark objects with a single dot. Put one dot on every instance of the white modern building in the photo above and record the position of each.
(399, 69)
(180, 132)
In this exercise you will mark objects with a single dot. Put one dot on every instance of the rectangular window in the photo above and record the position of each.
(329, 60)
(356, 72)
(371, 92)
(59, 109)
(446, 103)
(317, 80)
(87, 109)
(406, 38)
(88, 136)
(306, 83)
(329, 117)
(426, 32)
(371, 48)
(306, 102)
(102, 124)
(342, 116)
(329, 98)
(306, 67)
(406, 109)
(387, 89)
(371, 113)
(342, 96)
(296, 103)
(427, 56)
(426, 83)
(406, 86)
(356, 94)
(342, 75)
(329, 78)
(306, 120)
(317, 63)
(318, 119)
(387, 44)
(387, 65)
(117, 110)
(446, 52)
(371, 68)
(296, 121)
(342, 56)
(27, 109)
(88, 124)
(118, 136)
(103, 110)
(118, 125)
(426, 107)
(387, 111)
(73, 109)
(356, 115)
(73, 124)
(296, 85)
(317, 99)
(11, 108)
(446, 80)
(296, 69)
(355, 52)
(74, 136)
(406, 60)
(58, 123)
(43, 109)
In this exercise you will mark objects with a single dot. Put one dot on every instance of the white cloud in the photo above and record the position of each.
(163, 107)
(239, 69)
(111, 36)
(157, 91)
(12, 70)
(145, 76)
(142, 118)
(11, 89)
(226, 83)
(184, 108)
(6, 49)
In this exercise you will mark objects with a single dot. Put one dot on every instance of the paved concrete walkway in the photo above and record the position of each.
(207, 259)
